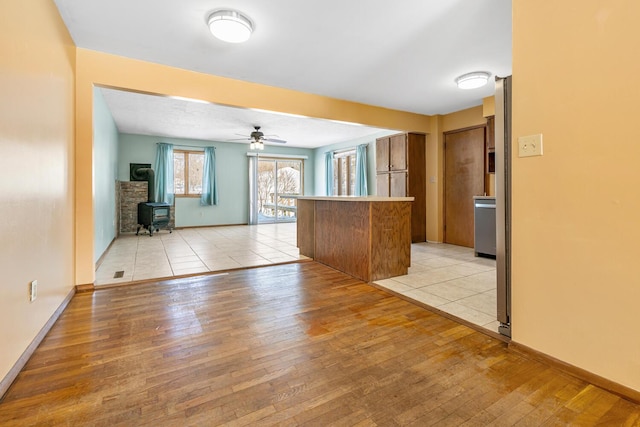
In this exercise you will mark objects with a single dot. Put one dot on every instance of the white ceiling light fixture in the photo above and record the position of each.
(257, 145)
(473, 80)
(230, 26)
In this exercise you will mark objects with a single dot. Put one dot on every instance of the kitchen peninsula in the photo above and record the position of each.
(366, 237)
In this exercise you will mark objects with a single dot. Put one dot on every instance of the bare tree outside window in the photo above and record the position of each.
(187, 173)
(279, 184)
(344, 173)
(178, 174)
(196, 166)
(266, 187)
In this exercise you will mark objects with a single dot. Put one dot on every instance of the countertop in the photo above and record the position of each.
(357, 198)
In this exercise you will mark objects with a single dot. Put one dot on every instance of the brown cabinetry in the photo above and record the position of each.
(401, 172)
(491, 145)
(366, 237)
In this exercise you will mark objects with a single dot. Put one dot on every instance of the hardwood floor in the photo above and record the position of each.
(297, 344)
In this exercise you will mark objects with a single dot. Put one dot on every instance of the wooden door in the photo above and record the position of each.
(382, 154)
(398, 152)
(382, 185)
(398, 184)
(463, 179)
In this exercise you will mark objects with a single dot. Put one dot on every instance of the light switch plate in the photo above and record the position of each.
(530, 145)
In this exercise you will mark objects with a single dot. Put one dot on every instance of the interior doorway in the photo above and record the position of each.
(464, 178)
(279, 183)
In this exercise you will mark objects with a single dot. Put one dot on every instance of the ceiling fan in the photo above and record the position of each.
(258, 139)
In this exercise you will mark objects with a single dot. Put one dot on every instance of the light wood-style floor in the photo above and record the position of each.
(297, 344)
(447, 277)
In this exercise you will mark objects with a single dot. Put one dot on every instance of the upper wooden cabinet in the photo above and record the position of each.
(382, 155)
(401, 172)
(391, 153)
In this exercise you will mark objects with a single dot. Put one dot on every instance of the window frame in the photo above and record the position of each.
(186, 156)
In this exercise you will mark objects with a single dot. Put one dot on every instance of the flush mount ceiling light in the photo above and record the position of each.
(473, 80)
(230, 26)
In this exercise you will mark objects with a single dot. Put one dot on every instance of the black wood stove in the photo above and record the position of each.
(151, 215)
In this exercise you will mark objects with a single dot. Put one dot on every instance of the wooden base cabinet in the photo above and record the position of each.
(366, 237)
(401, 172)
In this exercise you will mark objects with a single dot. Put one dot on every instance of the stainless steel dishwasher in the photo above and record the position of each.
(484, 210)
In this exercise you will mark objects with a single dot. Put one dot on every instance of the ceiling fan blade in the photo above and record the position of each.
(277, 141)
(240, 139)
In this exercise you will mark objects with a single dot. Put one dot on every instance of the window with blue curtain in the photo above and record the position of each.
(209, 195)
(361, 170)
(328, 164)
(164, 173)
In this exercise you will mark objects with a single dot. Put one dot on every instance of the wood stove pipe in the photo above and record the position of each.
(148, 175)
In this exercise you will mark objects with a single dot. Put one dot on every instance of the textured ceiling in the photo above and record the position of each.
(400, 55)
(155, 115)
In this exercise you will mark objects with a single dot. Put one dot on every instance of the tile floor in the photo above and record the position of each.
(447, 277)
(197, 250)
(452, 279)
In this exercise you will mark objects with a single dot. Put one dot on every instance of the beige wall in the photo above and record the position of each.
(489, 106)
(575, 226)
(463, 119)
(435, 164)
(36, 170)
(576, 286)
(114, 71)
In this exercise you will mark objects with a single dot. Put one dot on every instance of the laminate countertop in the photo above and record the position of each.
(357, 198)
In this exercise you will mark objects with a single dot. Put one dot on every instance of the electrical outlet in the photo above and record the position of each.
(530, 145)
(33, 290)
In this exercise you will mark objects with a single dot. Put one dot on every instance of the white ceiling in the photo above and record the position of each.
(169, 117)
(400, 55)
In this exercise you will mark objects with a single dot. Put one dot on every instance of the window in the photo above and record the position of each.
(187, 173)
(344, 173)
(279, 183)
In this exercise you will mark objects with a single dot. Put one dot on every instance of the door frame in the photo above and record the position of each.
(503, 153)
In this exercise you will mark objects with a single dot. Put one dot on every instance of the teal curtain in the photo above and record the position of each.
(209, 195)
(361, 170)
(164, 173)
(328, 163)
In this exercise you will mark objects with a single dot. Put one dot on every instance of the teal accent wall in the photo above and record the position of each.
(233, 176)
(320, 172)
(105, 167)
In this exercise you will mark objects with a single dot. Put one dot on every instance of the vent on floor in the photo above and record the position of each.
(118, 274)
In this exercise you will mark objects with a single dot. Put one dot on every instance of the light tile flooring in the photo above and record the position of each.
(197, 250)
(447, 277)
(452, 279)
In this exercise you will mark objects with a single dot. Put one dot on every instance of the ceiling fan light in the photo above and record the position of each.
(252, 146)
(473, 80)
(230, 26)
